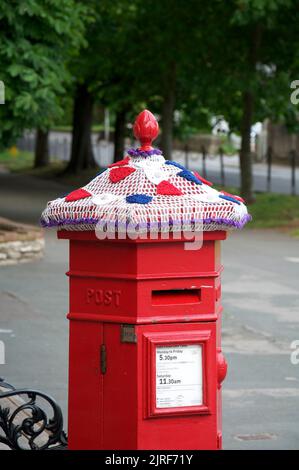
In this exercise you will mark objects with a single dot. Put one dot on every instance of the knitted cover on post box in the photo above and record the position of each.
(148, 192)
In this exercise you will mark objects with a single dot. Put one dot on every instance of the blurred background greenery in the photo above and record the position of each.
(86, 68)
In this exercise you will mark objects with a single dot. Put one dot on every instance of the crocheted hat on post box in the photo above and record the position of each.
(147, 191)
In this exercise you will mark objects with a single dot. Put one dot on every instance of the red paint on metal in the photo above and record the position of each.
(221, 367)
(170, 296)
(202, 335)
(85, 383)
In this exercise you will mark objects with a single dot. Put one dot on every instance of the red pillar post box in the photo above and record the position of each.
(145, 363)
(145, 353)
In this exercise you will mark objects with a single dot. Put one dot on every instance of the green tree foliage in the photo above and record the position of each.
(110, 70)
(199, 58)
(256, 68)
(36, 39)
(143, 52)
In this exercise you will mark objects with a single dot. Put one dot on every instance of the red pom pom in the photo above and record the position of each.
(77, 194)
(123, 162)
(118, 174)
(167, 189)
(203, 180)
(146, 129)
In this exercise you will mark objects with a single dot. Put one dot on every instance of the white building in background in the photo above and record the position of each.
(221, 127)
(2, 92)
(261, 141)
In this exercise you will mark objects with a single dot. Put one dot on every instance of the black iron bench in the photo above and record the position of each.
(24, 421)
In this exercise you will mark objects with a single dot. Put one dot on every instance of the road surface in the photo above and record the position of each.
(60, 145)
(260, 321)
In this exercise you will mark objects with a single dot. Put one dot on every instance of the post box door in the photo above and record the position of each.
(160, 386)
(85, 386)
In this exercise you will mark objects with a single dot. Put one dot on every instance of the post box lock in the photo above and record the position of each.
(127, 334)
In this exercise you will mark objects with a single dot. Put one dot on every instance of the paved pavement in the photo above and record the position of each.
(23, 198)
(261, 319)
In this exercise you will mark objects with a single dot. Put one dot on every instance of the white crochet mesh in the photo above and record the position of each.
(130, 185)
(186, 187)
(200, 205)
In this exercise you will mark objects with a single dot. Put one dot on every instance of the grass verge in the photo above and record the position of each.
(275, 210)
(272, 210)
(22, 162)
(16, 160)
(68, 128)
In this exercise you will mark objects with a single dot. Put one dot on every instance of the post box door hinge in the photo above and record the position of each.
(103, 359)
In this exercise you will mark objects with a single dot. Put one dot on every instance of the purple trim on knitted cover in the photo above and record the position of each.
(141, 153)
(89, 221)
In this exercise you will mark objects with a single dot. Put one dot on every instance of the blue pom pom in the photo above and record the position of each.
(138, 199)
(228, 198)
(189, 176)
(178, 165)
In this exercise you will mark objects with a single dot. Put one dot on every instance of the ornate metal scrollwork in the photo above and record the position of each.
(27, 426)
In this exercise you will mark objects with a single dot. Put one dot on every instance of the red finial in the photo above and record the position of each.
(146, 129)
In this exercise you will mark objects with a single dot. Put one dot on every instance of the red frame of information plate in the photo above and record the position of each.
(185, 338)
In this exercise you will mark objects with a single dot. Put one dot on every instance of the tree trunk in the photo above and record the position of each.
(41, 151)
(81, 152)
(248, 117)
(245, 152)
(119, 134)
(167, 113)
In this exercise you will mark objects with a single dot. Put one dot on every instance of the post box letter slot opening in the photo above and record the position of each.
(176, 296)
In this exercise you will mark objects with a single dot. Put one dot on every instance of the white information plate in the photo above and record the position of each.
(179, 376)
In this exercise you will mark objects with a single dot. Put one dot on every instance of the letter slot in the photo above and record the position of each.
(176, 296)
